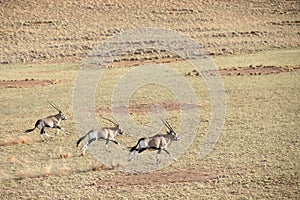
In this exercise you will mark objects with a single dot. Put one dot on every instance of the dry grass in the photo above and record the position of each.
(47, 171)
(260, 139)
(261, 122)
(8, 141)
(14, 160)
(63, 154)
(98, 167)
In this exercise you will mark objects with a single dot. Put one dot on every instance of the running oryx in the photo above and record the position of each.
(106, 133)
(52, 121)
(157, 142)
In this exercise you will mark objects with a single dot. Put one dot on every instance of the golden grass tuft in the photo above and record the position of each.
(63, 171)
(17, 140)
(63, 154)
(13, 159)
(8, 141)
(23, 140)
(48, 171)
(113, 165)
(117, 164)
(28, 173)
(98, 167)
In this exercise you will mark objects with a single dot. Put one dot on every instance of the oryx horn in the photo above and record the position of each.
(54, 106)
(115, 123)
(168, 125)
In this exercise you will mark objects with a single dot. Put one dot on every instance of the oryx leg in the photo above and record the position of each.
(106, 145)
(135, 153)
(84, 148)
(60, 128)
(170, 154)
(158, 155)
(64, 130)
(114, 141)
(48, 135)
(42, 137)
(44, 133)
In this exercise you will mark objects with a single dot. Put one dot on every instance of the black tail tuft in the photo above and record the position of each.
(134, 147)
(78, 142)
(80, 139)
(114, 141)
(37, 123)
(29, 130)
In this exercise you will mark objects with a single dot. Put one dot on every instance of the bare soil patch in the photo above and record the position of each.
(236, 71)
(43, 32)
(26, 83)
(146, 107)
(251, 70)
(159, 178)
(260, 135)
(151, 59)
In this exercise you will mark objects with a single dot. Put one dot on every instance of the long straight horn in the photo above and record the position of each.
(167, 124)
(170, 127)
(110, 120)
(116, 122)
(54, 106)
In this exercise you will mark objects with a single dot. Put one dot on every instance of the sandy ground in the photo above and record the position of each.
(66, 31)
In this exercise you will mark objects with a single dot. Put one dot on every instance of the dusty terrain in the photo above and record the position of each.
(68, 30)
(257, 155)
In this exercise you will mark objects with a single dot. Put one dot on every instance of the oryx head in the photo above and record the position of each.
(120, 131)
(62, 115)
(171, 130)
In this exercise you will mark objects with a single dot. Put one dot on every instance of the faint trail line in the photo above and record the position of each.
(146, 107)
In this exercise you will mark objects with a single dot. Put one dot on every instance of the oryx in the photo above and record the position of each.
(52, 121)
(105, 133)
(157, 142)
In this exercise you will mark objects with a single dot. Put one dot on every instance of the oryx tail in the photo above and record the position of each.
(29, 130)
(82, 138)
(35, 126)
(135, 147)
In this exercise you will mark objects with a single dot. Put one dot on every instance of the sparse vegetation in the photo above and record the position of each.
(261, 122)
(17, 140)
(63, 154)
(257, 154)
(47, 171)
